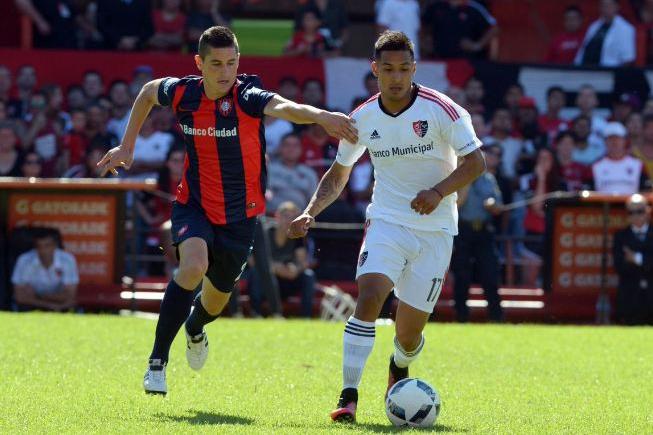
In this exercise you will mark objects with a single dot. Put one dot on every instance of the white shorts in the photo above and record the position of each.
(415, 261)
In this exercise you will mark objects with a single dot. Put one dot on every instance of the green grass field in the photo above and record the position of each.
(263, 37)
(82, 374)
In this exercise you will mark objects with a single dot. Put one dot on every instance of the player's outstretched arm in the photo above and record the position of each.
(472, 166)
(123, 154)
(336, 124)
(329, 189)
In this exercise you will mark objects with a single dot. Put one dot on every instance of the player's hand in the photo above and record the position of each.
(629, 255)
(115, 158)
(299, 227)
(339, 126)
(426, 201)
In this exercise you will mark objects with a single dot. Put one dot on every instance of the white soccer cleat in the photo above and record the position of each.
(197, 349)
(154, 381)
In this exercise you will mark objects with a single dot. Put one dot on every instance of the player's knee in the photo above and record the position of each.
(194, 269)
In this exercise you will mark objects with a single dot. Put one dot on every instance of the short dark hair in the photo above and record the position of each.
(288, 79)
(553, 89)
(216, 37)
(392, 40)
(563, 134)
(313, 80)
(574, 8)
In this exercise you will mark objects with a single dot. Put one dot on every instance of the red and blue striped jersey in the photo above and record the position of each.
(224, 170)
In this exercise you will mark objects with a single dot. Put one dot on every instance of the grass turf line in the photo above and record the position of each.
(82, 374)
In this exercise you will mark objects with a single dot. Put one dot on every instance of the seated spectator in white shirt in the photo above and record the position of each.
(609, 41)
(513, 148)
(618, 172)
(45, 277)
(290, 180)
(587, 102)
(589, 147)
(151, 147)
(275, 130)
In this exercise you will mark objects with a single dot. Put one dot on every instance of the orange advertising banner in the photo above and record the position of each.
(577, 247)
(86, 223)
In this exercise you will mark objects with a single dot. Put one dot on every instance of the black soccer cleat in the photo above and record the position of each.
(346, 411)
(395, 374)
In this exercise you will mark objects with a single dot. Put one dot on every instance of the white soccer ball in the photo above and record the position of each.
(412, 402)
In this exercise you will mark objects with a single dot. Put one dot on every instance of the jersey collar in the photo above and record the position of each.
(408, 106)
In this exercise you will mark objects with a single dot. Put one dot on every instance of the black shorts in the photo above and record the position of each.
(229, 245)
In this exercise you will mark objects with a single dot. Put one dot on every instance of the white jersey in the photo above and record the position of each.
(617, 176)
(411, 151)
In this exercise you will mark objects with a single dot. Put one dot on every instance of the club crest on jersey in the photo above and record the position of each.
(420, 128)
(224, 105)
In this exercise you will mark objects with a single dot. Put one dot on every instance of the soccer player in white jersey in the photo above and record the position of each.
(415, 137)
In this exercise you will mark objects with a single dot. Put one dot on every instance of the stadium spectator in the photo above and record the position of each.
(589, 146)
(43, 134)
(11, 104)
(3, 111)
(89, 36)
(54, 110)
(618, 172)
(493, 155)
(644, 149)
(632, 251)
(288, 179)
(550, 122)
(93, 86)
(635, 127)
(75, 98)
(141, 75)
(644, 9)
(576, 176)
(564, 46)
(457, 95)
(402, 15)
(371, 85)
(275, 130)
(124, 25)
(88, 168)
(97, 117)
(460, 28)
(151, 147)
(11, 157)
(169, 26)
(53, 22)
(319, 149)
(514, 93)
(609, 41)
(502, 135)
(75, 142)
(121, 102)
(289, 88)
(623, 105)
(587, 101)
(474, 94)
(528, 126)
(32, 165)
(474, 246)
(361, 183)
(289, 264)
(334, 19)
(203, 14)
(481, 129)
(546, 178)
(45, 277)
(26, 85)
(313, 93)
(308, 41)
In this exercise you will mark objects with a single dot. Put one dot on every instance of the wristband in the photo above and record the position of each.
(438, 192)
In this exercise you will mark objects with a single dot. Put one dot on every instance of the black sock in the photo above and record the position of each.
(175, 307)
(198, 318)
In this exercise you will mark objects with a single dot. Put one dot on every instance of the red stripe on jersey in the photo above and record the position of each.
(444, 103)
(182, 188)
(211, 192)
(249, 129)
(364, 104)
(448, 109)
(179, 92)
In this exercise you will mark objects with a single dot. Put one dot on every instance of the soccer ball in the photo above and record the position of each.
(412, 402)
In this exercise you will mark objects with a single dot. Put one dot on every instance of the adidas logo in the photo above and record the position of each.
(375, 135)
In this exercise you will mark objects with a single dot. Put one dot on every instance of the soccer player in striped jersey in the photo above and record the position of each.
(222, 190)
(415, 137)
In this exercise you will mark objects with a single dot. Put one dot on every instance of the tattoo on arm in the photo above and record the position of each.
(328, 190)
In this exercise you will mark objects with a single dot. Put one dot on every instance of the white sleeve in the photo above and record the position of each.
(20, 273)
(70, 273)
(349, 153)
(461, 136)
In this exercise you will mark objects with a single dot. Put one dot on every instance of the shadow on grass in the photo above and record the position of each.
(202, 417)
(386, 428)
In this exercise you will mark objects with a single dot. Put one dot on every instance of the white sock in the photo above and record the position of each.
(403, 358)
(358, 342)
